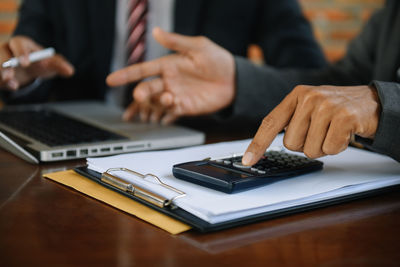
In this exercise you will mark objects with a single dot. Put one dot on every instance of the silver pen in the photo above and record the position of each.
(33, 57)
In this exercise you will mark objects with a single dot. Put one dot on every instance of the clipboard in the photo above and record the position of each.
(166, 206)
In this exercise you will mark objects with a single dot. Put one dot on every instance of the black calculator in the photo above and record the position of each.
(229, 175)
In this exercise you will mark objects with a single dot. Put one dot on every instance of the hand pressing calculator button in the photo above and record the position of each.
(229, 175)
(238, 164)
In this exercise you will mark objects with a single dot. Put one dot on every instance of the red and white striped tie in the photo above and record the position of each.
(136, 46)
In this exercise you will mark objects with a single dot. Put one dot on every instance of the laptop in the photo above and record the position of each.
(72, 130)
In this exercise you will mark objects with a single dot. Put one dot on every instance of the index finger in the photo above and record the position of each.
(271, 125)
(135, 73)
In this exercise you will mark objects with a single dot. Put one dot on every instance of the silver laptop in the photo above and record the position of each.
(62, 131)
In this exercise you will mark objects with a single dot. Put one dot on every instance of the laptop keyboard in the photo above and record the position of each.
(55, 129)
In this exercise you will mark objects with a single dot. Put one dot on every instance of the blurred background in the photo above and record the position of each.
(335, 22)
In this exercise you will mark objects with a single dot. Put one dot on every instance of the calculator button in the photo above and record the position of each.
(239, 165)
(219, 161)
(227, 162)
(261, 172)
(253, 169)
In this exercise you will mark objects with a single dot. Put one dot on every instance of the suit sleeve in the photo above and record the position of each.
(386, 139)
(34, 21)
(286, 37)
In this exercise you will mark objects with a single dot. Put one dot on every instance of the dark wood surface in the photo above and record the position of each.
(43, 223)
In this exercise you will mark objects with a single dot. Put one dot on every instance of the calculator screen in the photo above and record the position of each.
(224, 171)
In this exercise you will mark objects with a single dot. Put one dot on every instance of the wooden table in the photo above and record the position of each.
(43, 223)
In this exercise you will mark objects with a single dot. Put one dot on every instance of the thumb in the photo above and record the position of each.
(174, 41)
(21, 46)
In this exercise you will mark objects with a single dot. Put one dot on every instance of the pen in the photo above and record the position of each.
(33, 57)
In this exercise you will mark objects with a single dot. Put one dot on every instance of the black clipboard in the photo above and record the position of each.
(204, 226)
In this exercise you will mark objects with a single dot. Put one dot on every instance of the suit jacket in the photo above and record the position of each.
(83, 30)
(373, 57)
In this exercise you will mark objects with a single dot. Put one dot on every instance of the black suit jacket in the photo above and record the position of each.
(83, 30)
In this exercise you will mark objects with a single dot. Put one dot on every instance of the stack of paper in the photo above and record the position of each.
(352, 171)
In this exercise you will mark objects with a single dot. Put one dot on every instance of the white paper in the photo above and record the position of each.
(350, 172)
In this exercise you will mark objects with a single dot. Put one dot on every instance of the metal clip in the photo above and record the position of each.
(138, 191)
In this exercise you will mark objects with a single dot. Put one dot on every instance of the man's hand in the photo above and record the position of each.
(21, 46)
(319, 120)
(198, 79)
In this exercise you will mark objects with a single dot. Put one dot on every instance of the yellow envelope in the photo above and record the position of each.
(95, 190)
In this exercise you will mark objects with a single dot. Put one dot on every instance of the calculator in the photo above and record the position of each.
(229, 175)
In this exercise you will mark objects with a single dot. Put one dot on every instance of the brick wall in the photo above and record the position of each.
(335, 22)
(8, 17)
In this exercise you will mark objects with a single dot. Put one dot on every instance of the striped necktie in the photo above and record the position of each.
(136, 46)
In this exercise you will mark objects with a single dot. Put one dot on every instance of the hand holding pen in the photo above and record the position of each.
(22, 61)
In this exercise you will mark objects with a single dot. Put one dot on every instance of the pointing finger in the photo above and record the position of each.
(271, 125)
(135, 73)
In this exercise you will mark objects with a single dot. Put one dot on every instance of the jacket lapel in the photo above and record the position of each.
(187, 16)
